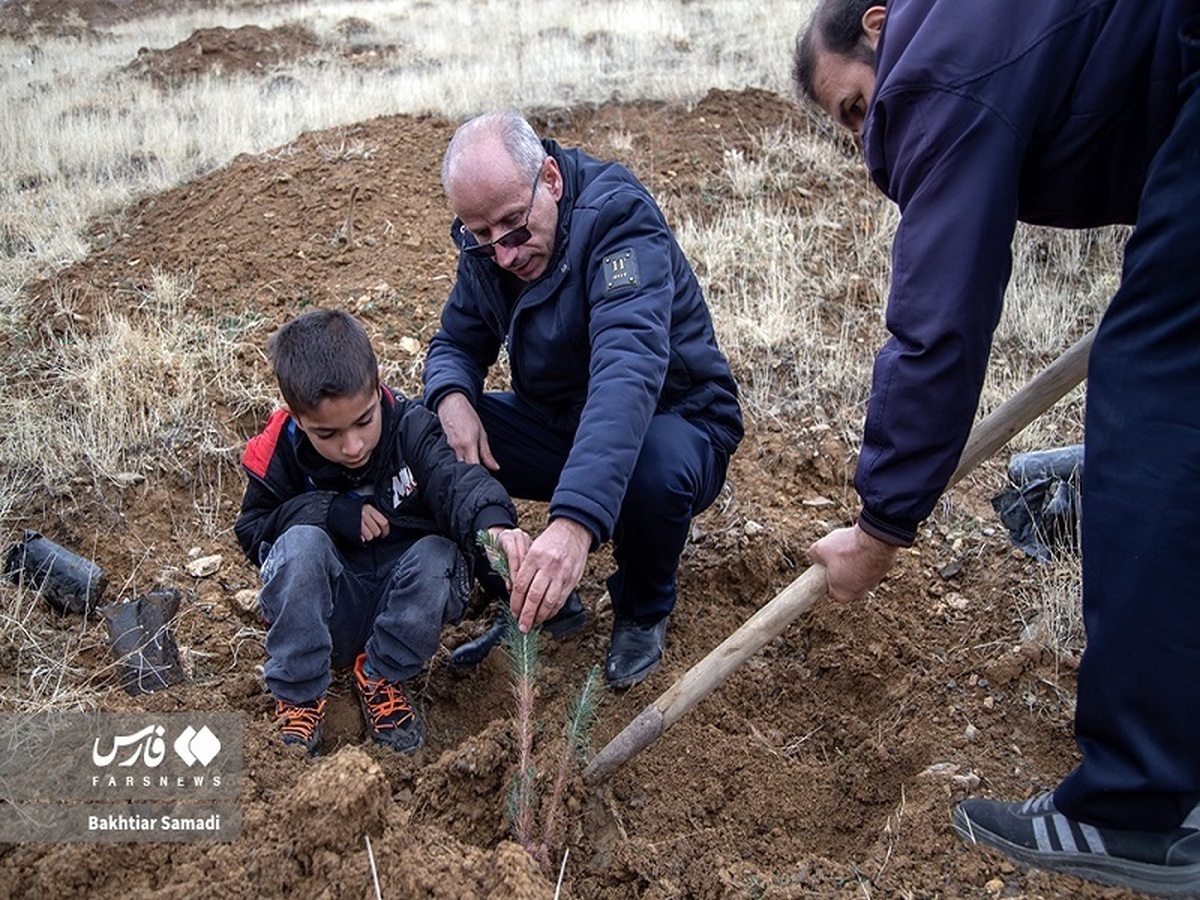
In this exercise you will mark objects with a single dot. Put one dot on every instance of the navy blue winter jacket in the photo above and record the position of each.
(597, 356)
(986, 112)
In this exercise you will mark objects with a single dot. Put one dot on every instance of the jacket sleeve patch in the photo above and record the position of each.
(620, 270)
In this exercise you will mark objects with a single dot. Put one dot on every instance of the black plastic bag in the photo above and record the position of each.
(1042, 509)
(141, 638)
(67, 582)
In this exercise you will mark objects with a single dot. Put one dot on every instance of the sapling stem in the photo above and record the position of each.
(522, 649)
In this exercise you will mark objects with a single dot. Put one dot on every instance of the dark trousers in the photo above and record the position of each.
(1138, 711)
(678, 474)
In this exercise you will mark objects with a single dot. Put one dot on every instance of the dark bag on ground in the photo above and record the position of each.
(1042, 508)
(142, 641)
(67, 582)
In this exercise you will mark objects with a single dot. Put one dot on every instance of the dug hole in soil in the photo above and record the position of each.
(827, 765)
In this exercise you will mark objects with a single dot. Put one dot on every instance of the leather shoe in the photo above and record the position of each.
(635, 652)
(472, 653)
(568, 621)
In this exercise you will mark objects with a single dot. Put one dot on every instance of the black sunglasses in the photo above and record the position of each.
(509, 239)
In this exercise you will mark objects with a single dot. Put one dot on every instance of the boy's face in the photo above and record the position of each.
(344, 430)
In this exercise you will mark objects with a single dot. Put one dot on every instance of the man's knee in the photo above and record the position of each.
(673, 470)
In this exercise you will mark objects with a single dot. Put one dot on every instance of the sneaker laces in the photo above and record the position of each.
(299, 720)
(386, 701)
(1041, 805)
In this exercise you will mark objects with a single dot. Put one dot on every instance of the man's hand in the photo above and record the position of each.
(374, 524)
(854, 562)
(464, 431)
(550, 570)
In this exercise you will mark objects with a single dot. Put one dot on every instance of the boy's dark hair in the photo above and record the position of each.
(835, 27)
(322, 353)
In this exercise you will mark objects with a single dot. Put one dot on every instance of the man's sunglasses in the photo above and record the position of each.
(509, 239)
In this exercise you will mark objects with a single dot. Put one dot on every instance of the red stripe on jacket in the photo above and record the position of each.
(261, 447)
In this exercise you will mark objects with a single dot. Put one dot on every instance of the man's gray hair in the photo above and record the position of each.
(519, 139)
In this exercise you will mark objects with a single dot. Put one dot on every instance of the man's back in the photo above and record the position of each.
(1087, 89)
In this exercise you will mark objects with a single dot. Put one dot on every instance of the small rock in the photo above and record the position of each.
(950, 569)
(941, 770)
(995, 886)
(968, 782)
(751, 527)
(247, 600)
(204, 565)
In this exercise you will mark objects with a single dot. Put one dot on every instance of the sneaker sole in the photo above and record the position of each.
(312, 748)
(1172, 881)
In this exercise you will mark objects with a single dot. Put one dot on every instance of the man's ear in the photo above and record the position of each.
(554, 179)
(872, 24)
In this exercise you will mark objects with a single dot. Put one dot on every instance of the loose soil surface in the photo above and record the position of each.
(827, 765)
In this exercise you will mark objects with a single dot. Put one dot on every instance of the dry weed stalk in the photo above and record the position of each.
(523, 653)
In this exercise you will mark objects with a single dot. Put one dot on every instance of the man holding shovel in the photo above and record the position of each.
(975, 114)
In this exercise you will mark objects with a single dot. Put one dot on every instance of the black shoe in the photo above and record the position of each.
(1037, 834)
(568, 621)
(472, 653)
(635, 652)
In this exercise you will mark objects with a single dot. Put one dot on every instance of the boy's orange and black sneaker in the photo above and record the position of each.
(300, 723)
(391, 719)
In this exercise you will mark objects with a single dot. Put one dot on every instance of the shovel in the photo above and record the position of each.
(769, 622)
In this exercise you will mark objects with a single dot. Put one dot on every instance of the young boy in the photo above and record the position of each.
(364, 525)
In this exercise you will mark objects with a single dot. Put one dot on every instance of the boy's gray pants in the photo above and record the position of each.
(321, 613)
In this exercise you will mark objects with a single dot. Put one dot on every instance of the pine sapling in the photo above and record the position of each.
(523, 653)
(522, 649)
(576, 745)
(495, 554)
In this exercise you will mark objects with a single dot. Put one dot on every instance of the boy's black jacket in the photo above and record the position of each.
(413, 478)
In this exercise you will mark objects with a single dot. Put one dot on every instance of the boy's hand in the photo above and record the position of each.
(374, 523)
(514, 543)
